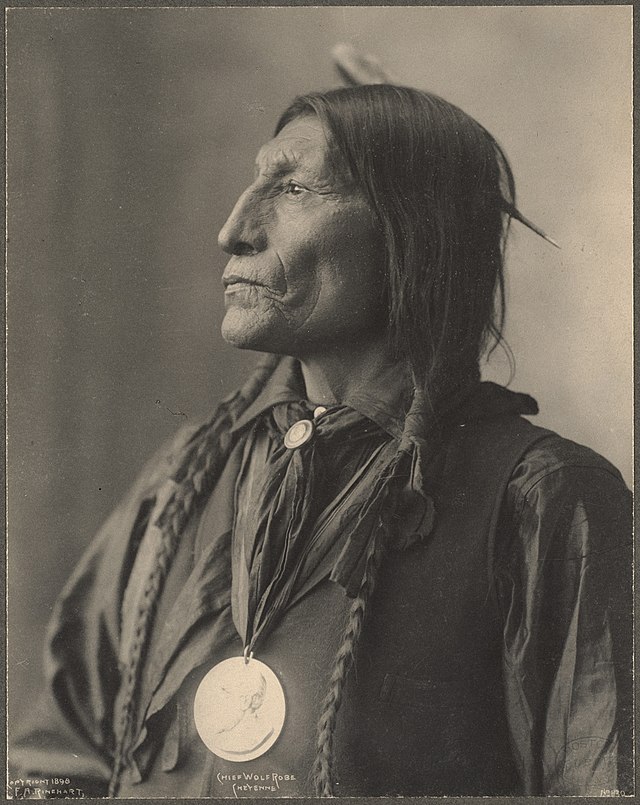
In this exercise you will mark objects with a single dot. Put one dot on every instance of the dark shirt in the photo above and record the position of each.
(562, 550)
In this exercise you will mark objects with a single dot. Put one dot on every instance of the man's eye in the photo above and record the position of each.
(294, 189)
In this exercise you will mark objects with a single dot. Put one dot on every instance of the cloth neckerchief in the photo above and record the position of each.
(288, 503)
(282, 500)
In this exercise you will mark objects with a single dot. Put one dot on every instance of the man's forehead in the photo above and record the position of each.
(301, 143)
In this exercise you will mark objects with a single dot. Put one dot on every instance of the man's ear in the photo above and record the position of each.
(256, 700)
(358, 68)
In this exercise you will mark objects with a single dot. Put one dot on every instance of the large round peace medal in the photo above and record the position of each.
(239, 709)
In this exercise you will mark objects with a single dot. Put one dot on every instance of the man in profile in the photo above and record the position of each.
(439, 589)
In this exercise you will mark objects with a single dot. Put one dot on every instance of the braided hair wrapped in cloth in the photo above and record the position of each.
(440, 587)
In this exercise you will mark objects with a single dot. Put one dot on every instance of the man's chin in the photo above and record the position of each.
(240, 333)
(239, 342)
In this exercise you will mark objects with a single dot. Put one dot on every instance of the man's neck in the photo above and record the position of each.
(335, 376)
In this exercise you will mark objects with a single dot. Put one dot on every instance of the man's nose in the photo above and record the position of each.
(243, 232)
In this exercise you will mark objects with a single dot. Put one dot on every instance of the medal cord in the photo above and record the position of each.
(323, 772)
(197, 475)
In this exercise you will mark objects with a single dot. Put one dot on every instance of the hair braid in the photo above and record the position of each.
(322, 772)
(196, 476)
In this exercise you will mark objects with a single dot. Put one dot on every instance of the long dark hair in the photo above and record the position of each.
(440, 185)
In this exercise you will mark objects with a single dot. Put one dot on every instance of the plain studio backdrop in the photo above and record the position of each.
(131, 132)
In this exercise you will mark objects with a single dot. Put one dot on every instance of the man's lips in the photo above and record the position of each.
(238, 282)
(236, 279)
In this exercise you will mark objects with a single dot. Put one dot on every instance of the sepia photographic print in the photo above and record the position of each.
(319, 401)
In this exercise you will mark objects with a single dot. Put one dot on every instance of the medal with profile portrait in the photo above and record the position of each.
(239, 709)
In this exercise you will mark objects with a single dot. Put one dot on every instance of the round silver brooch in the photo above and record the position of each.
(298, 434)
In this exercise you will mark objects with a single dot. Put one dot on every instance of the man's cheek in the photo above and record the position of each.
(301, 260)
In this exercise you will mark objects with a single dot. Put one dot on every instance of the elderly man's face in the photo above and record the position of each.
(307, 261)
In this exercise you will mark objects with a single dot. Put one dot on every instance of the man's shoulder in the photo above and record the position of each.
(539, 467)
(556, 474)
(553, 454)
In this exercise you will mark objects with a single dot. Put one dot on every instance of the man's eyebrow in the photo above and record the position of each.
(276, 162)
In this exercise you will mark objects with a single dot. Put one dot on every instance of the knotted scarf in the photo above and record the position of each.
(297, 505)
